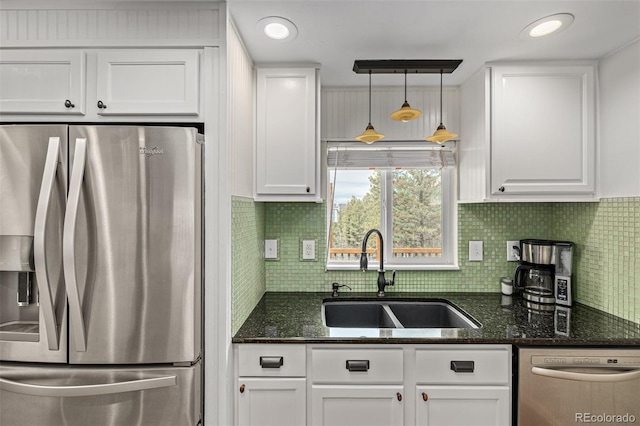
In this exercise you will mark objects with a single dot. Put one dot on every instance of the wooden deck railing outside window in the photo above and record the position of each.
(352, 254)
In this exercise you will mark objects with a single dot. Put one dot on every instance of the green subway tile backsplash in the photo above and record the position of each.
(248, 269)
(606, 236)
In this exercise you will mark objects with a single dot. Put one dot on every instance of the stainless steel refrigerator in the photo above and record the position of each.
(100, 275)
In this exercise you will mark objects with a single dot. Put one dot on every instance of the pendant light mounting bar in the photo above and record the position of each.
(410, 66)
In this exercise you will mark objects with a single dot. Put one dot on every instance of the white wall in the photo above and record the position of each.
(240, 115)
(619, 133)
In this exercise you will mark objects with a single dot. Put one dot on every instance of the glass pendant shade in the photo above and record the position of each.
(441, 134)
(369, 135)
(405, 113)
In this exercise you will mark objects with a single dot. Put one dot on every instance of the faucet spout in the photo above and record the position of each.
(382, 282)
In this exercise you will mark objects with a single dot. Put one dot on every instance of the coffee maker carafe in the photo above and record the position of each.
(537, 275)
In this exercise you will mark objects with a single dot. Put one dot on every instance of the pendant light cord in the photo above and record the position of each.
(405, 86)
(440, 96)
(369, 97)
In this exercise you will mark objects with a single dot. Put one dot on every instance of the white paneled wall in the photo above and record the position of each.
(473, 154)
(240, 115)
(45, 23)
(619, 138)
(345, 111)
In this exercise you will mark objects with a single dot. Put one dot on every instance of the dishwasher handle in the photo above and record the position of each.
(586, 377)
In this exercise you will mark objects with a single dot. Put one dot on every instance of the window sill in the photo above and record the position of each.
(392, 267)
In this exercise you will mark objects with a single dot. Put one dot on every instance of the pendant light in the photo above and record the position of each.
(441, 134)
(370, 135)
(405, 113)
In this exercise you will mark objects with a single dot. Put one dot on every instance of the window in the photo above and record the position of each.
(403, 190)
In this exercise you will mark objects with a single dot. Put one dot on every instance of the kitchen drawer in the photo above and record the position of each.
(475, 366)
(271, 360)
(357, 365)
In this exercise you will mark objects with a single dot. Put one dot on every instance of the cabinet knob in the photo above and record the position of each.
(242, 388)
(69, 104)
(425, 397)
(501, 189)
(308, 189)
(399, 396)
(102, 105)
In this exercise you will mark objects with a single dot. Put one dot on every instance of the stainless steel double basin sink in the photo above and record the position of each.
(395, 314)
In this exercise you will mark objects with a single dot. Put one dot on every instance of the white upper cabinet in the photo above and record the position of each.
(42, 82)
(287, 144)
(100, 84)
(528, 133)
(147, 82)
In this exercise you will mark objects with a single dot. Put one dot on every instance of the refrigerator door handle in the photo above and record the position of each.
(87, 390)
(76, 318)
(39, 255)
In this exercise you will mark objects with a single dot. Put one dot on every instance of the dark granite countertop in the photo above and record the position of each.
(295, 317)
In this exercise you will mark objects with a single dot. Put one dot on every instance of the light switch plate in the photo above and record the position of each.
(271, 249)
(475, 251)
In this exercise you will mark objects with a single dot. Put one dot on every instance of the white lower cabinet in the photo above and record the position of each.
(357, 386)
(463, 386)
(271, 402)
(271, 385)
(346, 384)
(462, 405)
(352, 405)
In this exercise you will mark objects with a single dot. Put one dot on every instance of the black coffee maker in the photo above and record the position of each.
(535, 274)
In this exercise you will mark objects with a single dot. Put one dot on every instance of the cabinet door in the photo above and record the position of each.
(286, 131)
(357, 405)
(148, 82)
(42, 82)
(462, 405)
(543, 130)
(271, 402)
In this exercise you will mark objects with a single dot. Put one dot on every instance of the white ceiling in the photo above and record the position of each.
(334, 33)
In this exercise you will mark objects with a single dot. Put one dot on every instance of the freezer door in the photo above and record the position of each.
(33, 161)
(68, 396)
(132, 245)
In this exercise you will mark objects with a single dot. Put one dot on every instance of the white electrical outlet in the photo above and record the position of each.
(271, 249)
(475, 251)
(308, 249)
(512, 254)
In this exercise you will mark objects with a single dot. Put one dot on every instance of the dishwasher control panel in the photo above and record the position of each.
(585, 361)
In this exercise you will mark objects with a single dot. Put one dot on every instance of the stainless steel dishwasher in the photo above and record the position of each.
(568, 386)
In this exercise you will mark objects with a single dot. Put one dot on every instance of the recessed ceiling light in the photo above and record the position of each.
(547, 26)
(277, 28)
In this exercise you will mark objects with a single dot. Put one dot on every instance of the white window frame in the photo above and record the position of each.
(449, 258)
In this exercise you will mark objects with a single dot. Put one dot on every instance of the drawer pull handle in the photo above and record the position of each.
(271, 361)
(425, 397)
(462, 366)
(242, 388)
(399, 396)
(69, 104)
(101, 105)
(357, 364)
